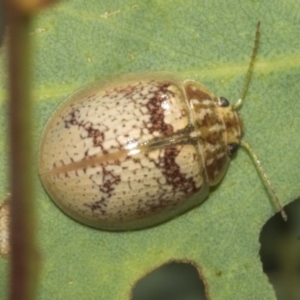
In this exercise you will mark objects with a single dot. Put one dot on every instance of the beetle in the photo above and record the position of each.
(135, 150)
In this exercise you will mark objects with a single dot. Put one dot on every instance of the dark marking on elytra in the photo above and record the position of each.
(156, 110)
(72, 119)
(181, 184)
(171, 171)
(98, 207)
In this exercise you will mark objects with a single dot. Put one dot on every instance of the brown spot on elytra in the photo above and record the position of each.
(72, 119)
(110, 180)
(98, 207)
(106, 188)
(181, 184)
(156, 110)
(171, 171)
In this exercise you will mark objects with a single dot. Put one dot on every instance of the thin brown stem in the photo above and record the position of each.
(24, 263)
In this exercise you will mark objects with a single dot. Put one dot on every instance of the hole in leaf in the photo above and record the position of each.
(173, 281)
(280, 252)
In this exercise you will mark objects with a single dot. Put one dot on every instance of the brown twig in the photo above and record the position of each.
(22, 237)
(24, 259)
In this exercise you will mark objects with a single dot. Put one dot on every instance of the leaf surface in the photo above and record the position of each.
(77, 42)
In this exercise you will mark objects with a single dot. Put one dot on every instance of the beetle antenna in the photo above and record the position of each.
(250, 67)
(265, 178)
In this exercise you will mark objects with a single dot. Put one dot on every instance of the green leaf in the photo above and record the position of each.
(77, 42)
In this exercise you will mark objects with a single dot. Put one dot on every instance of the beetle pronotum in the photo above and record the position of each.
(135, 150)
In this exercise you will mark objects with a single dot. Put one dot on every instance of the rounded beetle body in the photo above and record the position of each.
(135, 150)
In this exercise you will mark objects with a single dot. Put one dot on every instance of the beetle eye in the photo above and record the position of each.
(224, 102)
(232, 148)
